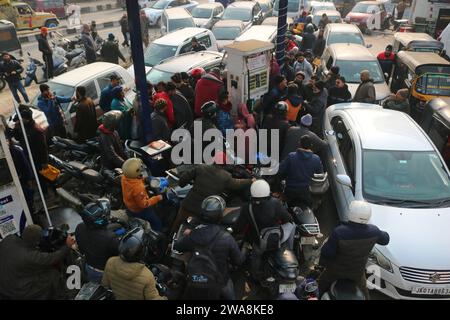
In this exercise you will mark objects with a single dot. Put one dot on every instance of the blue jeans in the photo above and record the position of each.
(93, 275)
(18, 86)
(149, 215)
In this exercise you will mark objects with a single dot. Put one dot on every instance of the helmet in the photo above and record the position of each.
(197, 73)
(132, 168)
(281, 108)
(260, 189)
(209, 109)
(96, 214)
(111, 119)
(212, 209)
(309, 28)
(359, 212)
(131, 246)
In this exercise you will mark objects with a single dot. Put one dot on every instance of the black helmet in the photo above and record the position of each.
(212, 209)
(281, 108)
(111, 119)
(96, 214)
(131, 246)
(209, 109)
(309, 28)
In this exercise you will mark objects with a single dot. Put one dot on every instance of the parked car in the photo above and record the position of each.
(343, 33)
(248, 12)
(293, 9)
(321, 6)
(154, 11)
(416, 41)
(226, 31)
(29, 19)
(94, 77)
(273, 21)
(266, 7)
(178, 42)
(333, 15)
(368, 15)
(175, 19)
(206, 15)
(352, 59)
(10, 42)
(54, 6)
(383, 157)
(185, 62)
(262, 33)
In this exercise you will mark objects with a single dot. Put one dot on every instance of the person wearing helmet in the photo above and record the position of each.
(207, 89)
(276, 123)
(126, 275)
(206, 180)
(309, 39)
(267, 212)
(110, 51)
(95, 241)
(111, 150)
(298, 169)
(208, 121)
(135, 195)
(346, 252)
(195, 75)
(223, 247)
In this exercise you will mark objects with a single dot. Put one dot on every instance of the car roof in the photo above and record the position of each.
(322, 3)
(351, 51)
(273, 21)
(242, 4)
(328, 13)
(342, 27)
(177, 12)
(229, 23)
(188, 61)
(383, 129)
(407, 37)
(211, 5)
(413, 59)
(179, 36)
(259, 32)
(372, 2)
(81, 74)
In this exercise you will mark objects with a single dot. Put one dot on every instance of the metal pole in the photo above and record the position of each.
(38, 183)
(281, 34)
(137, 52)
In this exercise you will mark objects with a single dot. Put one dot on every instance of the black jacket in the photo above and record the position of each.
(97, 245)
(187, 91)
(339, 95)
(319, 47)
(38, 142)
(182, 111)
(292, 142)
(160, 129)
(124, 25)
(288, 72)
(44, 46)
(11, 66)
(224, 251)
(308, 41)
(275, 122)
(111, 53)
(267, 213)
(111, 150)
(27, 273)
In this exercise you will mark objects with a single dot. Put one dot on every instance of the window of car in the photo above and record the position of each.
(175, 24)
(105, 79)
(242, 14)
(346, 147)
(330, 63)
(439, 134)
(217, 11)
(226, 33)
(205, 40)
(159, 5)
(202, 13)
(345, 37)
(158, 52)
(91, 90)
(351, 69)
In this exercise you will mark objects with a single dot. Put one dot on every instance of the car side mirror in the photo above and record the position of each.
(344, 180)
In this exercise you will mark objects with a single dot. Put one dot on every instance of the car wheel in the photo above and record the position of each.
(51, 24)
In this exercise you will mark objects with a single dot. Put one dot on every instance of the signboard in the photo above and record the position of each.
(73, 16)
(256, 62)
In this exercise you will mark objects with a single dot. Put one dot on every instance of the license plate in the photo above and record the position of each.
(307, 240)
(284, 288)
(443, 291)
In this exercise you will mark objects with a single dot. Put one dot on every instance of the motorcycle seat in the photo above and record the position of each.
(344, 289)
(92, 176)
(73, 145)
(78, 165)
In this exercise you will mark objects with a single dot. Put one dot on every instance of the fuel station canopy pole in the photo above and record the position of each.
(281, 33)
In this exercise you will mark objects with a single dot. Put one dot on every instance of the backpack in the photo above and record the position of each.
(269, 238)
(204, 280)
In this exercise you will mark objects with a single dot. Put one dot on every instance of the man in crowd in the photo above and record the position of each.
(160, 128)
(89, 45)
(47, 52)
(111, 150)
(106, 96)
(303, 65)
(124, 28)
(278, 93)
(144, 28)
(110, 51)
(12, 71)
(387, 61)
(207, 89)
(86, 124)
(197, 46)
(366, 90)
(398, 101)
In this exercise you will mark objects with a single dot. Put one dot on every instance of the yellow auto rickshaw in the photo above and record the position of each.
(425, 74)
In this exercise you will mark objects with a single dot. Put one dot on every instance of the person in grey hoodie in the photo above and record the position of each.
(366, 90)
(89, 44)
(316, 107)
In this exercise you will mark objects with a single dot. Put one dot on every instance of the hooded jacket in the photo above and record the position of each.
(169, 110)
(294, 103)
(86, 124)
(111, 53)
(207, 89)
(224, 119)
(113, 155)
(339, 95)
(225, 249)
(130, 281)
(365, 92)
(135, 196)
(38, 142)
(182, 111)
(299, 168)
(292, 142)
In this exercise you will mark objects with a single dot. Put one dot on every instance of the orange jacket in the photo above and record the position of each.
(135, 195)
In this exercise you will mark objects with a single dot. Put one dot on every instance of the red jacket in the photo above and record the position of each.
(207, 89)
(169, 111)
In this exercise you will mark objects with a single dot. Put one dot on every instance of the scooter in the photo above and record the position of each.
(32, 68)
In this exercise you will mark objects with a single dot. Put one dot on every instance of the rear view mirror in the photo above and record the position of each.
(344, 180)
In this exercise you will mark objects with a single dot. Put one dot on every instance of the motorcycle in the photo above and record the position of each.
(32, 68)
(87, 153)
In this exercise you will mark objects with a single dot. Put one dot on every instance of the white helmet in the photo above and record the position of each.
(260, 189)
(359, 212)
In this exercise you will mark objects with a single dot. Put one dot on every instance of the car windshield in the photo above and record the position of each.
(362, 8)
(226, 33)
(156, 75)
(158, 52)
(351, 70)
(293, 6)
(345, 37)
(322, 7)
(405, 177)
(265, 6)
(242, 14)
(175, 24)
(333, 19)
(61, 90)
(201, 13)
(160, 4)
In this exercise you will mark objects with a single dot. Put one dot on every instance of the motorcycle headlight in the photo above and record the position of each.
(376, 257)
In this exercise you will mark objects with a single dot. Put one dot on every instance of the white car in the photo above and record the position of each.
(343, 33)
(207, 14)
(293, 9)
(156, 9)
(261, 33)
(320, 6)
(226, 31)
(175, 19)
(94, 77)
(383, 157)
(248, 12)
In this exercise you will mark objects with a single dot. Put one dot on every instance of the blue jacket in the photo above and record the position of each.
(224, 122)
(299, 168)
(106, 98)
(21, 163)
(51, 109)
